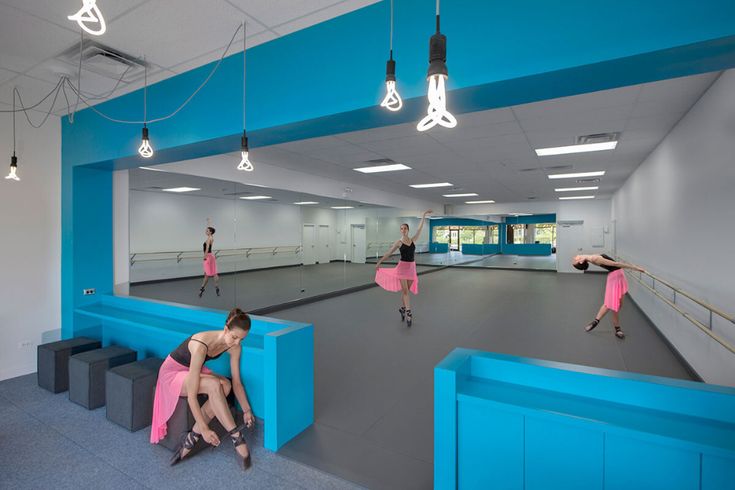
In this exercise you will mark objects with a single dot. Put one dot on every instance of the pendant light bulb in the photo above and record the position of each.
(392, 100)
(90, 13)
(437, 112)
(244, 152)
(145, 149)
(13, 169)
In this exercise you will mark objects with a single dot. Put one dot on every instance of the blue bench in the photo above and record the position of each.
(277, 364)
(514, 423)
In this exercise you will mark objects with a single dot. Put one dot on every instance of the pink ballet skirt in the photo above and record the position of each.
(390, 279)
(171, 377)
(210, 265)
(615, 289)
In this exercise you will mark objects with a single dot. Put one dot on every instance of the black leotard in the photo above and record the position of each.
(407, 252)
(204, 248)
(182, 355)
(609, 268)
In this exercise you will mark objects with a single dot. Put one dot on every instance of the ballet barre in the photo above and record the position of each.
(139, 257)
(707, 329)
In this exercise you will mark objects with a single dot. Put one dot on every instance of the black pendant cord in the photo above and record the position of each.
(391, 29)
(13, 122)
(437, 15)
(145, 92)
(244, 79)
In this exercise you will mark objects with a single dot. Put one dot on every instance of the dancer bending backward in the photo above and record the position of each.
(210, 263)
(183, 374)
(403, 277)
(615, 288)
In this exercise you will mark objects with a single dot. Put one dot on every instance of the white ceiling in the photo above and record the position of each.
(488, 150)
(173, 35)
(155, 181)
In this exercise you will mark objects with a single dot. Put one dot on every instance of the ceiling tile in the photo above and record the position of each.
(26, 40)
(303, 13)
(162, 30)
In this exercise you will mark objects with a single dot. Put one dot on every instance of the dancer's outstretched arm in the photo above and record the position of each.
(421, 225)
(599, 260)
(392, 249)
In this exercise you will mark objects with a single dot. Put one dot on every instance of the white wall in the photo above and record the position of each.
(30, 220)
(176, 222)
(675, 216)
(121, 231)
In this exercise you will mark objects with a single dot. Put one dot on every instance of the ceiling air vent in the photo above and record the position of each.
(597, 138)
(104, 61)
(381, 160)
(559, 167)
(593, 180)
(532, 169)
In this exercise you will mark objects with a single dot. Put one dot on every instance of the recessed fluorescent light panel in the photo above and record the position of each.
(254, 185)
(304, 203)
(599, 173)
(564, 150)
(181, 189)
(479, 202)
(570, 189)
(342, 207)
(568, 198)
(151, 168)
(428, 186)
(383, 168)
(471, 194)
(255, 198)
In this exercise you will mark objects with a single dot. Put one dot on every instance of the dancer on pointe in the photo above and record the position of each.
(402, 277)
(615, 288)
(210, 263)
(183, 374)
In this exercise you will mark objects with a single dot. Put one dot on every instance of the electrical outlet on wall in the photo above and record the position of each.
(25, 344)
(87, 292)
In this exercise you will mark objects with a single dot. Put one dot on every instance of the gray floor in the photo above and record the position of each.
(258, 289)
(524, 262)
(47, 441)
(374, 398)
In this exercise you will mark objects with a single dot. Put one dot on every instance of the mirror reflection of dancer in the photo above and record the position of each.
(615, 288)
(183, 374)
(403, 277)
(210, 263)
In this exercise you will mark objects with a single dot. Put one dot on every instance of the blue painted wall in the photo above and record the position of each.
(516, 423)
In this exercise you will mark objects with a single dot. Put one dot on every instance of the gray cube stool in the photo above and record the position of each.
(87, 374)
(129, 393)
(53, 361)
(182, 421)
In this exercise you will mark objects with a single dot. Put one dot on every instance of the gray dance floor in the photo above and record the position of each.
(49, 442)
(258, 289)
(374, 376)
(523, 262)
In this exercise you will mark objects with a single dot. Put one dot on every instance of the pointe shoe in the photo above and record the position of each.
(402, 311)
(591, 325)
(216, 290)
(188, 441)
(619, 332)
(409, 318)
(238, 440)
(201, 292)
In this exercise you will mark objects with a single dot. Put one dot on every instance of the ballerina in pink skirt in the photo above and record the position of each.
(403, 277)
(615, 287)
